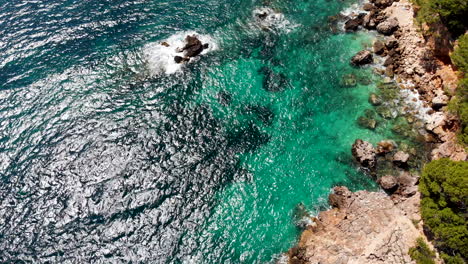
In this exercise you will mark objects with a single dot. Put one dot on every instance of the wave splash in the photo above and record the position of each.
(268, 19)
(160, 55)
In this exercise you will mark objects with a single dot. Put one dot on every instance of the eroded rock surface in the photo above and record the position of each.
(364, 153)
(363, 227)
(361, 58)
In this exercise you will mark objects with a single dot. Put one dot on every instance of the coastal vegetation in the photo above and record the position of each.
(421, 253)
(459, 103)
(444, 188)
(451, 14)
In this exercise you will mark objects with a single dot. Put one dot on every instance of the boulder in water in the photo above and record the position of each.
(354, 23)
(361, 58)
(351, 25)
(401, 158)
(379, 47)
(193, 46)
(179, 59)
(364, 153)
(367, 122)
(302, 216)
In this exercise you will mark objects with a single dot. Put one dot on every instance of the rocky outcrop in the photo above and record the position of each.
(354, 23)
(361, 58)
(401, 158)
(388, 26)
(385, 146)
(193, 47)
(364, 153)
(388, 183)
(379, 47)
(362, 227)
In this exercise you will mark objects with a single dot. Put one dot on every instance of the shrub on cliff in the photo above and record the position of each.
(421, 253)
(459, 104)
(460, 54)
(444, 188)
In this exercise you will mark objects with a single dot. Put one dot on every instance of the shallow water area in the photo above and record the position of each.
(112, 152)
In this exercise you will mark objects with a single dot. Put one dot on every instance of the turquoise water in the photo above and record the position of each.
(106, 157)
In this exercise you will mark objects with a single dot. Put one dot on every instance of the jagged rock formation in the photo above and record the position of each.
(362, 227)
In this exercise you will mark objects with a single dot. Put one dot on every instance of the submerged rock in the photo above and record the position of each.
(364, 153)
(361, 58)
(263, 113)
(273, 81)
(348, 80)
(385, 146)
(366, 122)
(374, 99)
(384, 111)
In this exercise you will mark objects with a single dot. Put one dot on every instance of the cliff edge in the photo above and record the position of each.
(362, 227)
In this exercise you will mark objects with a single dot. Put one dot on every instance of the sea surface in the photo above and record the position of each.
(112, 153)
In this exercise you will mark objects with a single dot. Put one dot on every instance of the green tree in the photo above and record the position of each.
(460, 54)
(459, 103)
(453, 14)
(444, 187)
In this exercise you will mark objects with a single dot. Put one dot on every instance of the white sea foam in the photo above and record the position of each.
(411, 99)
(354, 9)
(161, 58)
(267, 18)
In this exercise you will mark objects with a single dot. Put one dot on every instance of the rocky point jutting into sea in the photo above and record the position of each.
(381, 227)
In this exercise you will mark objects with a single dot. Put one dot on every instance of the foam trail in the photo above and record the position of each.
(161, 58)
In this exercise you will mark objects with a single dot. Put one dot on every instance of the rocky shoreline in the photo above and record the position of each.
(380, 227)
